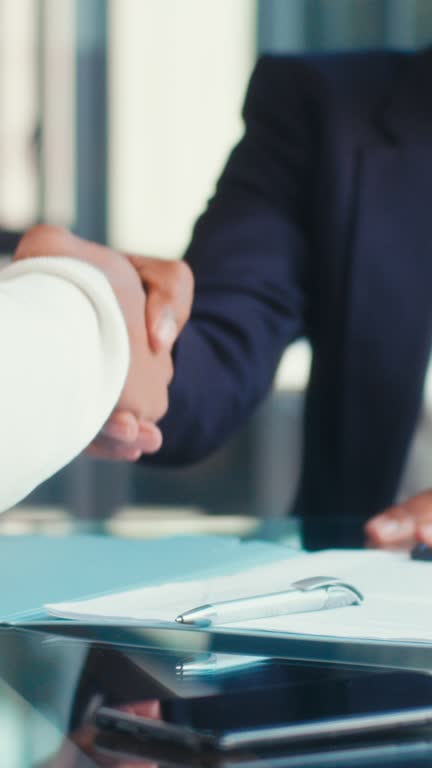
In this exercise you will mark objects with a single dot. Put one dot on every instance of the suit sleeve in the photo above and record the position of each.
(64, 354)
(249, 255)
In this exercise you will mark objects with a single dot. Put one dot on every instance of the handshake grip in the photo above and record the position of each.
(155, 299)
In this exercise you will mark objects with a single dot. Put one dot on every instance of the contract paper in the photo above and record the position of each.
(397, 597)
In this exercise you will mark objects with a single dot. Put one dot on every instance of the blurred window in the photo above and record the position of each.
(57, 78)
(178, 73)
(18, 112)
(37, 112)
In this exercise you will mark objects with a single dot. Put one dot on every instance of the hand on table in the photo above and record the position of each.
(403, 525)
(131, 430)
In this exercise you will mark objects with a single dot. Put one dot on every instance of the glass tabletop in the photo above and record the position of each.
(53, 689)
(54, 676)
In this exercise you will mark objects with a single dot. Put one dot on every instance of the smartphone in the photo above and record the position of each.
(398, 752)
(289, 704)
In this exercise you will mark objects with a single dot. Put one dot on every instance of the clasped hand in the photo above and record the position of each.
(154, 318)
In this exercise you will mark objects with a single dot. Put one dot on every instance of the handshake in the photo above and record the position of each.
(155, 298)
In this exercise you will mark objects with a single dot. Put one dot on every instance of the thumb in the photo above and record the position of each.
(161, 314)
(161, 322)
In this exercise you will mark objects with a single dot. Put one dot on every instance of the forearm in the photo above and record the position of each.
(224, 364)
(207, 401)
(249, 265)
(65, 355)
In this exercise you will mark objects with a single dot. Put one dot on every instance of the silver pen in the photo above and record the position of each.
(317, 593)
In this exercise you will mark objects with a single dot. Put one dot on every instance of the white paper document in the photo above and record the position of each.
(397, 597)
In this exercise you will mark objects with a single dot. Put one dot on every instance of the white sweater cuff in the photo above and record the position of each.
(65, 356)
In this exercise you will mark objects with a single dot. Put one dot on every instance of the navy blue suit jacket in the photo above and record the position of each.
(321, 226)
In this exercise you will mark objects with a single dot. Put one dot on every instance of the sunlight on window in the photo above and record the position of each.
(18, 109)
(37, 107)
(58, 81)
(178, 73)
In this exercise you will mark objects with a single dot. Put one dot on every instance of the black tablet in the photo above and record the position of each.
(282, 704)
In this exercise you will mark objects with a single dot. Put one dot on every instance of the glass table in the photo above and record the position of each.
(54, 677)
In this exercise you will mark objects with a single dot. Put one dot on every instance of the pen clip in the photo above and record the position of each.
(328, 583)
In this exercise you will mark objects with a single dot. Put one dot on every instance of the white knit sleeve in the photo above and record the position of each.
(64, 356)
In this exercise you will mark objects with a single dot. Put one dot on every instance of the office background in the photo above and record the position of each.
(115, 119)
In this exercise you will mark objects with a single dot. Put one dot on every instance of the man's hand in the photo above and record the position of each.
(403, 525)
(169, 289)
(145, 396)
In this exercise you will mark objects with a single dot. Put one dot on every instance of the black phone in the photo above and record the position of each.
(284, 704)
(406, 750)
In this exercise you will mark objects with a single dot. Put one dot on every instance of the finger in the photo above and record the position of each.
(148, 441)
(161, 322)
(418, 509)
(149, 437)
(110, 450)
(122, 426)
(393, 527)
(424, 532)
(169, 371)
